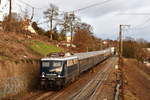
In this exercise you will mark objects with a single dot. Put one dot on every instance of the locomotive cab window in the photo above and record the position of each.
(45, 64)
(56, 64)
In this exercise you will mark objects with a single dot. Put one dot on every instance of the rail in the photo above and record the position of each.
(117, 89)
(90, 90)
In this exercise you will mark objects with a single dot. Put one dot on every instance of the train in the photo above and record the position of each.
(59, 69)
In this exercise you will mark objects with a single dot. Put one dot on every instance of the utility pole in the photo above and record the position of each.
(120, 43)
(10, 10)
(121, 40)
(72, 19)
(51, 25)
(71, 33)
(0, 11)
(0, 3)
(120, 62)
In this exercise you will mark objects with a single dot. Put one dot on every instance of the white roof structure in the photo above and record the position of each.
(90, 54)
(78, 55)
(59, 58)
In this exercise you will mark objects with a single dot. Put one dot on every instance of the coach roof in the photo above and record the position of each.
(59, 58)
(91, 54)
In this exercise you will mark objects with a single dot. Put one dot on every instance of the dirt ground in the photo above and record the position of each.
(137, 77)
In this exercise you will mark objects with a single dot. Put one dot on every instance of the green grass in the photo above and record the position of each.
(43, 48)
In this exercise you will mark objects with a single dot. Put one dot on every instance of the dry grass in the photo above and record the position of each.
(138, 79)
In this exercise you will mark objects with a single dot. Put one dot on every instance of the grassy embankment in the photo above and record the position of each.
(43, 48)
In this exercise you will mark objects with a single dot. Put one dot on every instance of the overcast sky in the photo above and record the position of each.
(105, 18)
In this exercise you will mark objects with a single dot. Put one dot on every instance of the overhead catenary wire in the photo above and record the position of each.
(133, 14)
(134, 30)
(134, 33)
(90, 6)
(29, 5)
(33, 11)
(84, 8)
(140, 26)
(93, 5)
(20, 7)
(21, 1)
(5, 5)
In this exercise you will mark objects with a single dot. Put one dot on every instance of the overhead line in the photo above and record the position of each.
(5, 5)
(134, 14)
(21, 1)
(138, 26)
(77, 10)
(90, 6)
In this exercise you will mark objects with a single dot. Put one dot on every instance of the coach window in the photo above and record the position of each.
(75, 61)
(70, 63)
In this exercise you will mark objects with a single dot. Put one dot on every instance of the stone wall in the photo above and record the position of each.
(17, 77)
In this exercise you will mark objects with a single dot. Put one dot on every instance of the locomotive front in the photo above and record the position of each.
(52, 72)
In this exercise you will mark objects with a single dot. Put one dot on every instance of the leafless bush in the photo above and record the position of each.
(14, 24)
(134, 49)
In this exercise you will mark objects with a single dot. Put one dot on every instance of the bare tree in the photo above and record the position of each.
(67, 24)
(84, 26)
(84, 39)
(134, 49)
(64, 23)
(51, 14)
(73, 21)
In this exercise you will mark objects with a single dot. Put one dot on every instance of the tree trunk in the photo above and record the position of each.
(51, 29)
(0, 3)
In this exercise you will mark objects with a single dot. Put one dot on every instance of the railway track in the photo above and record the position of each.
(90, 90)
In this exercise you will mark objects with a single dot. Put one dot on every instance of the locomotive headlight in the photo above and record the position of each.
(59, 76)
(43, 74)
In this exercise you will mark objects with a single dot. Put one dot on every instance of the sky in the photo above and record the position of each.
(104, 18)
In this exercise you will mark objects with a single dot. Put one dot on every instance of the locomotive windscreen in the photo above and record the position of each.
(55, 64)
(52, 66)
(45, 64)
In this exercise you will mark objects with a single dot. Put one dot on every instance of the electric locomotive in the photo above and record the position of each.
(55, 70)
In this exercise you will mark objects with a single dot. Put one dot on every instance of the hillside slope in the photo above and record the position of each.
(15, 46)
(19, 62)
